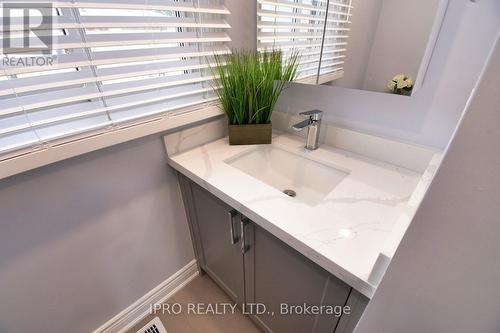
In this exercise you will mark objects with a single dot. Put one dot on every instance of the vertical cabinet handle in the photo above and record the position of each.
(231, 215)
(244, 246)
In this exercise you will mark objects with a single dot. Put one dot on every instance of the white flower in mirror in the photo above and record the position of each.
(401, 84)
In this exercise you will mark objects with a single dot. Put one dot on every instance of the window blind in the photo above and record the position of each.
(335, 42)
(317, 29)
(116, 61)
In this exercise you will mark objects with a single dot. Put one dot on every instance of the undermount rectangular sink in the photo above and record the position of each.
(290, 173)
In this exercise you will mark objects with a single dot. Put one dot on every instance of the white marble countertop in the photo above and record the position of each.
(346, 232)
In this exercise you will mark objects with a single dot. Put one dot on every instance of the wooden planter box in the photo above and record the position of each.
(250, 134)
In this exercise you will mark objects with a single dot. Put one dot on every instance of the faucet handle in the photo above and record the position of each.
(313, 114)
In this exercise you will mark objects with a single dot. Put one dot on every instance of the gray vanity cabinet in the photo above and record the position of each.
(217, 248)
(255, 267)
(278, 276)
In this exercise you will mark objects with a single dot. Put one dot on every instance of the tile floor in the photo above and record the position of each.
(202, 290)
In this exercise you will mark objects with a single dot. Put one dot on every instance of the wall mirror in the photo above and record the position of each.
(375, 45)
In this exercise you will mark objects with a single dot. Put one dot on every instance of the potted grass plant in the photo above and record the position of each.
(248, 85)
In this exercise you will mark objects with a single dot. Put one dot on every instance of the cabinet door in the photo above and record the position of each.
(219, 247)
(277, 274)
(357, 304)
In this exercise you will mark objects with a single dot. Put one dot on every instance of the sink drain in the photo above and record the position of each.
(290, 193)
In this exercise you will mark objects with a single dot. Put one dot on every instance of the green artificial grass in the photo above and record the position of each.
(251, 82)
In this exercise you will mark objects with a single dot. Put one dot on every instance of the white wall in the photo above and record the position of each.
(400, 41)
(446, 272)
(430, 115)
(361, 37)
(82, 239)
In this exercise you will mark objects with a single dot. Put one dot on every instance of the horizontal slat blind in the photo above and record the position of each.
(336, 39)
(300, 25)
(116, 61)
(291, 25)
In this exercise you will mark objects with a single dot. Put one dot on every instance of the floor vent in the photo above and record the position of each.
(154, 326)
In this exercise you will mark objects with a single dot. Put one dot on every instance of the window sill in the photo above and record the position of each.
(32, 159)
(323, 78)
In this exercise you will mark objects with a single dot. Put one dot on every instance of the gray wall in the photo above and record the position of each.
(400, 41)
(243, 21)
(430, 116)
(363, 28)
(83, 239)
(445, 275)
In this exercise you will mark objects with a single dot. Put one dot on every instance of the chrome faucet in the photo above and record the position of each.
(312, 124)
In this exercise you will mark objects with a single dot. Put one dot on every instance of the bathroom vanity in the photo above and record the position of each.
(254, 267)
(280, 225)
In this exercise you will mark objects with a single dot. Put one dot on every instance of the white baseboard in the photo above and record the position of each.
(141, 308)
